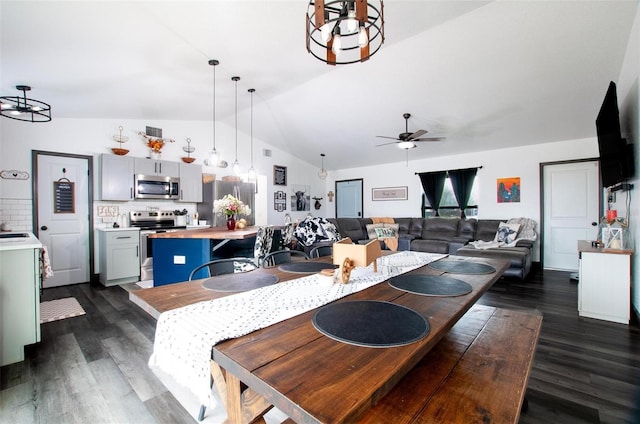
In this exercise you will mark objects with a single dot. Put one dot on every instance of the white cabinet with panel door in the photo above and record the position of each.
(163, 168)
(604, 288)
(119, 256)
(190, 182)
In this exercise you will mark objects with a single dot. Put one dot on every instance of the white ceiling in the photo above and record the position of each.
(484, 74)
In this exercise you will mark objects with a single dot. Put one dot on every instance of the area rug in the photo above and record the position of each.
(54, 310)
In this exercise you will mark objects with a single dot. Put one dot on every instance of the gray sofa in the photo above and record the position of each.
(448, 236)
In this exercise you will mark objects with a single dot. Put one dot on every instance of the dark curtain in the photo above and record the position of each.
(433, 185)
(462, 183)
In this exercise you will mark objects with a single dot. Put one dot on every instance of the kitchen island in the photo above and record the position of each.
(177, 253)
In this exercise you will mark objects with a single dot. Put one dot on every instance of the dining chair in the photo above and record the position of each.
(225, 266)
(281, 257)
(319, 251)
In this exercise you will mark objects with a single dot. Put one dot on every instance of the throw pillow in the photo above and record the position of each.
(371, 230)
(386, 232)
(507, 233)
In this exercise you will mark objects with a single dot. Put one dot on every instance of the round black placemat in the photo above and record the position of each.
(370, 323)
(430, 285)
(239, 281)
(306, 267)
(462, 267)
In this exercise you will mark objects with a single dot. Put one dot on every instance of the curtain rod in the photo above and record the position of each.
(447, 170)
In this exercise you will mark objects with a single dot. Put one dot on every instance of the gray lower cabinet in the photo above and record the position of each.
(119, 257)
(19, 302)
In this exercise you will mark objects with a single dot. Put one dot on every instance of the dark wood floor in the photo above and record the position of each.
(93, 368)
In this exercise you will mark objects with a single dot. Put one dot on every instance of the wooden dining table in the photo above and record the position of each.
(310, 377)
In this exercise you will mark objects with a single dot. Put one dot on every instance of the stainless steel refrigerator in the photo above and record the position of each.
(215, 190)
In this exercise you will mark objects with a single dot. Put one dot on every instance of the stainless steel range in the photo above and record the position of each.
(151, 222)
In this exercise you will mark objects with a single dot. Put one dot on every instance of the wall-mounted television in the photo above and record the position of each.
(616, 156)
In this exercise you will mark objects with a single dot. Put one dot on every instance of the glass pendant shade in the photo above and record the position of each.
(322, 174)
(213, 158)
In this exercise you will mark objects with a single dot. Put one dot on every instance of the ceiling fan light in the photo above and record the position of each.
(406, 145)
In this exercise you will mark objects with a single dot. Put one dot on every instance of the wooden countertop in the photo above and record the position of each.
(585, 246)
(217, 233)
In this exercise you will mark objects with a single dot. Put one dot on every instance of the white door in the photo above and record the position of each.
(349, 199)
(571, 197)
(63, 217)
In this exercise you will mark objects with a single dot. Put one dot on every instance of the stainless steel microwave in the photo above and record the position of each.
(156, 187)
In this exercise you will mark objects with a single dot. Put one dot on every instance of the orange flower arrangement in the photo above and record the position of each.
(155, 144)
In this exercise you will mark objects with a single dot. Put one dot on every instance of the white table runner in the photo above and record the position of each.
(185, 336)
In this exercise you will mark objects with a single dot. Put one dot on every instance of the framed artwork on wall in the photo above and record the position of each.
(389, 193)
(280, 201)
(508, 189)
(300, 198)
(279, 175)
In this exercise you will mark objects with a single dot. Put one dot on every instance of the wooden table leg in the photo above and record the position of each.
(243, 407)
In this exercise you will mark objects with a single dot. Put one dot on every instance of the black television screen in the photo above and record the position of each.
(616, 156)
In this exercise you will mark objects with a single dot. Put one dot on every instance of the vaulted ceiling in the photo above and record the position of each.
(484, 74)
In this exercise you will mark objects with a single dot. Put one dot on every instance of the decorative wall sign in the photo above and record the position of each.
(279, 175)
(14, 175)
(64, 196)
(300, 198)
(280, 201)
(390, 193)
(508, 189)
(108, 211)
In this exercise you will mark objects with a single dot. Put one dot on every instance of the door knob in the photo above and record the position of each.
(44, 228)
(594, 224)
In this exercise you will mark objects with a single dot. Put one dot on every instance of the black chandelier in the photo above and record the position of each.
(344, 32)
(23, 109)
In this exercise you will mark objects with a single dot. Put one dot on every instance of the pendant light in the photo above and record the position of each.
(236, 164)
(213, 158)
(252, 171)
(322, 174)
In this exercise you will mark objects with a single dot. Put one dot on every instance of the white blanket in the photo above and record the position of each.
(185, 336)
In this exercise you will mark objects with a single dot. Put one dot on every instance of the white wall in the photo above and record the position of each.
(628, 103)
(94, 136)
(523, 162)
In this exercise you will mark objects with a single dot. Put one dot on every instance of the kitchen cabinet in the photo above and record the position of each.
(163, 168)
(116, 177)
(190, 182)
(19, 297)
(604, 288)
(119, 256)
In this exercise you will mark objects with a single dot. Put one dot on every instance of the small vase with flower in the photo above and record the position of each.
(230, 207)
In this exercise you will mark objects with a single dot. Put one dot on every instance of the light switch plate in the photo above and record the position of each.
(179, 260)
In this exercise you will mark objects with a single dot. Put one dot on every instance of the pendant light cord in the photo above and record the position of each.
(236, 79)
(251, 90)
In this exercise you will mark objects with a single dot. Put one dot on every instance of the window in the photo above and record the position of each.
(449, 205)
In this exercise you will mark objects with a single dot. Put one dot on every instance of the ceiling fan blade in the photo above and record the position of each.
(416, 134)
(430, 139)
(386, 144)
(390, 138)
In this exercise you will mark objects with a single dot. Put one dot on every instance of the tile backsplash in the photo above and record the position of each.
(16, 214)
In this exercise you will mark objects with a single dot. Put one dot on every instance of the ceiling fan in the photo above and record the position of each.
(407, 140)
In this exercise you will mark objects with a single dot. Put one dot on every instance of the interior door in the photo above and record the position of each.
(349, 199)
(570, 208)
(63, 219)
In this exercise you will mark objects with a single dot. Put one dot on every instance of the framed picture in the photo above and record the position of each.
(390, 193)
(280, 201)
(508, 189)
(279, 175)
(301, 198)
